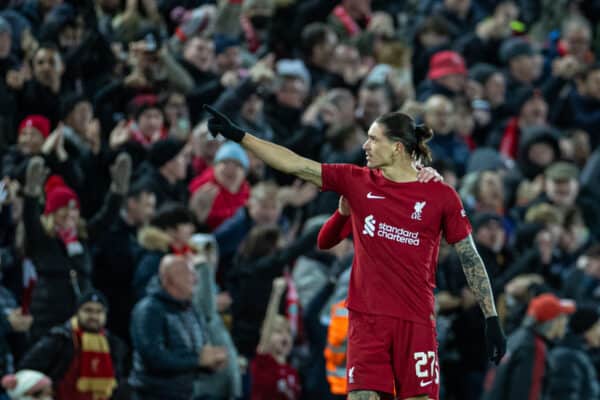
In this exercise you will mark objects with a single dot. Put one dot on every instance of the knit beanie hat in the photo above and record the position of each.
(25, 382)
(58, 195)
(39, 122)
(583, 319)
(164, 150)
(232, 151)
(223, 42)
(94, 296)
(69, 102)
(481, 72)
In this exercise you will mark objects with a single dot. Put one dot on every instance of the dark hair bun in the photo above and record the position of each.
(423, 133)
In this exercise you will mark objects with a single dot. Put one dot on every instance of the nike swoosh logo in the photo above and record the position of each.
(373, 196)
(427, 383)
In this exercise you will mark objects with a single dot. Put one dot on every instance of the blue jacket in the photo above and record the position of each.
(167, 336)
(452, 148)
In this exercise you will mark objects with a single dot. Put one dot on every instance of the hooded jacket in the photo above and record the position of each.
(227, 382)
(155, 243)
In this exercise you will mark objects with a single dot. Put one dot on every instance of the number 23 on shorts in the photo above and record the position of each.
(426, 368)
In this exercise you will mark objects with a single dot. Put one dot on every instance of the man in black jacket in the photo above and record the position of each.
(64, 352)
(522, 373)
(116, 255)
(171, 347)
(573, 375)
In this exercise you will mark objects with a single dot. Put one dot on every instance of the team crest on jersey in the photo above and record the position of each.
(417, 214)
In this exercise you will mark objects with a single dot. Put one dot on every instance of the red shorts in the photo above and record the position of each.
(390, 355)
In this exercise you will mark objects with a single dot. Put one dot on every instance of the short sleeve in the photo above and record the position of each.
(455, 222)
(338, 177)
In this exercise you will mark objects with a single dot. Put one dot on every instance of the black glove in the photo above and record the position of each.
(494, 339)
(219, 123)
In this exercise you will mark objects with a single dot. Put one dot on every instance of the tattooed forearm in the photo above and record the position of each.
(477, 276)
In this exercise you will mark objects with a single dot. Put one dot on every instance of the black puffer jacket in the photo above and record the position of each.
(168, 337)
(59, 274)
(523, 372)
(573, 375)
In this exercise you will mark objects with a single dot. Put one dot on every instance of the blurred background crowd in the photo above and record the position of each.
(143, 258)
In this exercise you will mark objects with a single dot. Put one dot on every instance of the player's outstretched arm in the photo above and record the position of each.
(275, 156)
(283, 159)
(479, 283)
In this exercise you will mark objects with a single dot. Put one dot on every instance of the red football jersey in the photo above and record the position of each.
(273, 381)
(397, 228)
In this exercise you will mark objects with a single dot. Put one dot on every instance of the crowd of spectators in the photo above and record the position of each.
(143, 258)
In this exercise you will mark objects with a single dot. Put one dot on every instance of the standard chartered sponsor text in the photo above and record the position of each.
(399, 235)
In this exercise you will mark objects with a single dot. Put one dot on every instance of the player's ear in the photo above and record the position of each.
(398, 148)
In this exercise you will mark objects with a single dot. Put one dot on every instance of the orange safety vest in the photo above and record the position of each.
(335, 352)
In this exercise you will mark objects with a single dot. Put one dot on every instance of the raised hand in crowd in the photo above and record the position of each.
(119, 135)
(262, 72)
(92, 135)
(230, 79)
(566, 67)
(298, 194)
(202, 200)
(19, 321)
(16, 78)
(321, 107)
(55, 143)
(35, 177)
(120, 173)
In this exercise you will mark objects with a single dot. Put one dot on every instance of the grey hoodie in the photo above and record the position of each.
(225, 384)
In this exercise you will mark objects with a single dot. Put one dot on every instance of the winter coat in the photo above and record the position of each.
(168, 337)
(250, 286)
(581, 287)
(54, 353)
(35, 98)
(115, 259)
(14, 164)
(450, 147)
(523, 372)
(155, 244)
(226, 383)
(231, 233)
(573, 375)
(7, 304)
(163, 190)
(61, 277)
